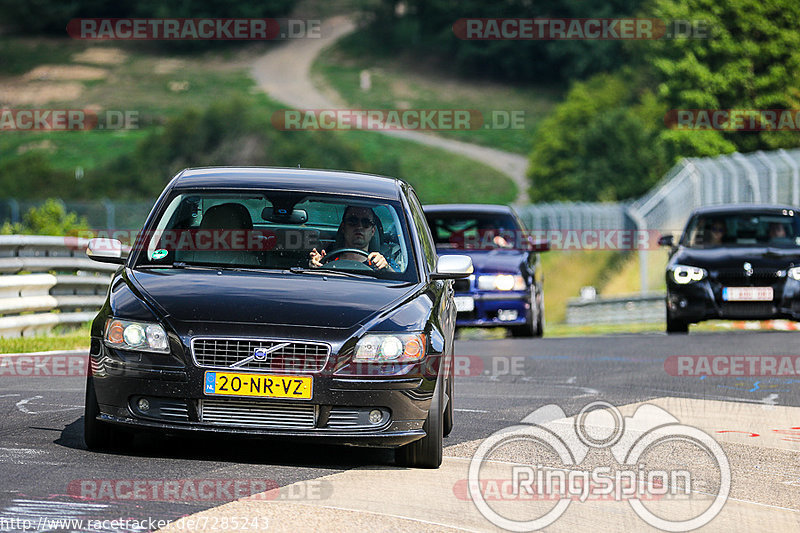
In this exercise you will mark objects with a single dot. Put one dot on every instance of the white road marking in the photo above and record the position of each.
(471, 410)
(21, 405)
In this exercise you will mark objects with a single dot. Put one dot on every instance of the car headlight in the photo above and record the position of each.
(390, 348)
(794, 273)
(141, 336)
(683, 274)
(501, 282)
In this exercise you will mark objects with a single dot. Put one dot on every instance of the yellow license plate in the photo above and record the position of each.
(258, 385)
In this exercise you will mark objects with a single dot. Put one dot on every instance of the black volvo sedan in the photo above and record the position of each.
(284, 303)
(734, 262)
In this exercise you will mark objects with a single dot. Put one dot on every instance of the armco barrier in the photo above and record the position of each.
(629, 309)
(47, 281)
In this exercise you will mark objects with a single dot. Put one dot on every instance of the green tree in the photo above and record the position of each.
(425, 29)
(50, 218)
(751, 60)
(608, 139)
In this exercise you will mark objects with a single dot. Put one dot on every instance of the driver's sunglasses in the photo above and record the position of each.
(354, 221)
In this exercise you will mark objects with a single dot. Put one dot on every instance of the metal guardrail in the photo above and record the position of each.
(627, 309)
(48, 281)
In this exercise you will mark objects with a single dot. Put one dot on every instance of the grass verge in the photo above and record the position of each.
(159, 87)
(58, 339)
(408, 83)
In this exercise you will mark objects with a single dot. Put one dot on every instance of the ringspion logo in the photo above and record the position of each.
(637, 476)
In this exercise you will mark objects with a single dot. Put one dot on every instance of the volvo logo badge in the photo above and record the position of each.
(748, 269)
(260, 354)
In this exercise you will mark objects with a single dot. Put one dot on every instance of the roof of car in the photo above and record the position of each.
(299, 179)
(468, 208)
(742, 208)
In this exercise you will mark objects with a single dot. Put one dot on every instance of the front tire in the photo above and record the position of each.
(98, 435)
(676, 326)
(427, 451)
(448, 411)
(530, 328)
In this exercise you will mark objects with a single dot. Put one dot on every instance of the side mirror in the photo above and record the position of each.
(453, 267)
(666, 240)
(105, 251)
(538, 245)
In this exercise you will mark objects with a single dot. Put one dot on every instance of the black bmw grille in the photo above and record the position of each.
(736, 277)
(751, 310)
(287, 356)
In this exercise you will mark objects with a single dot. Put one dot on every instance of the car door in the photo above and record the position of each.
(440, 291)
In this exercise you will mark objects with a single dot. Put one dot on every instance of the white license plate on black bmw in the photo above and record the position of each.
(747, 294)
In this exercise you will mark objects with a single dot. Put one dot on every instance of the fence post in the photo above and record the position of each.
(13, 205)
(110, 213)
(641, 225)
(726, 162)
(795, 175)
(751, 174)
(773, 176)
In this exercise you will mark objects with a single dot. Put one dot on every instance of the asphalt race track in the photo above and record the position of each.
(47, 475)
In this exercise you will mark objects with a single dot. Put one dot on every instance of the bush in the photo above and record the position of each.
(426, 30)
(50, 218)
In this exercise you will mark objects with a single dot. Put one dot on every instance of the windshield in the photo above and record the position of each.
(283, 231)
(471, 231)
(781, 229)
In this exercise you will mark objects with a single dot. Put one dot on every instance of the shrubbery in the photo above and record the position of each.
(50, 218)
(608, 139)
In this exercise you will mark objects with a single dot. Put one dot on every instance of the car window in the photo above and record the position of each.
(781, 229)
(280, 231)
(461, 230)
(428, 248)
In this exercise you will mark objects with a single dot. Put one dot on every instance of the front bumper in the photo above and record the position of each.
(702, 300)
(338, 411)
(487, 305)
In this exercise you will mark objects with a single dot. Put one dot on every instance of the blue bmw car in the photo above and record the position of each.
(506, 286)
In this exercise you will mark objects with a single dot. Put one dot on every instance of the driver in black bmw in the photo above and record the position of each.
(355, 233)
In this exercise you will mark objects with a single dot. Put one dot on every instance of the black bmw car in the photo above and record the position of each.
(734, 262)
(284, 303)
(506, 288)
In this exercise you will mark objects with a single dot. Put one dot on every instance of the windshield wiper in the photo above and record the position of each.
(303, 270)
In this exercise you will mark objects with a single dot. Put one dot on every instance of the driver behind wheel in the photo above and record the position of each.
(356, 231)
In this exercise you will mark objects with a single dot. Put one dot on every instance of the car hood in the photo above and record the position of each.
(492, 260)
(757, 256)
(266, 298)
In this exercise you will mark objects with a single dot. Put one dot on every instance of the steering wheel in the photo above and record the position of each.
(347, 263)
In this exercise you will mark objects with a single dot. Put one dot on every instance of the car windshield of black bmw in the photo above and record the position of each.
(471, 231)
(297, 232)
(779, 229)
